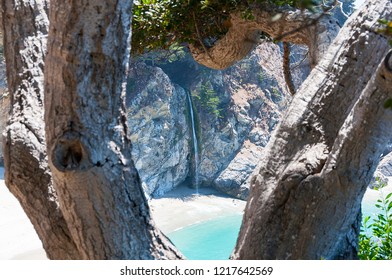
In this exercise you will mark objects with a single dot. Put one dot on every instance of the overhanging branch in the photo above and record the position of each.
(297, 27)
(286, 68)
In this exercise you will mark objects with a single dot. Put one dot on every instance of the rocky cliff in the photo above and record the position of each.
(235, 111)
(253, 94)
(157, 111)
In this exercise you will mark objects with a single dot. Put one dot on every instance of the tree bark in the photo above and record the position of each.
(286, 68)
(306, 195)
(297, 27)
(87, 136)
(26, 170)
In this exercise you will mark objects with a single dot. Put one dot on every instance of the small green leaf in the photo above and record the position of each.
(366, 219)
(389, 207)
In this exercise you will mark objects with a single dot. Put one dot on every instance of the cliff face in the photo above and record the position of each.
(253, 94)
(160, 135)
(235, 112)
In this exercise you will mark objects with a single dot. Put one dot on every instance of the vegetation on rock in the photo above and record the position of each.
(208, 99)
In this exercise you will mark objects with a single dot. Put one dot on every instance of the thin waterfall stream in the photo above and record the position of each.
(195, 142)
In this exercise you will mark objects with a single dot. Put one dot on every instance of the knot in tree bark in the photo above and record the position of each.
(69, 153)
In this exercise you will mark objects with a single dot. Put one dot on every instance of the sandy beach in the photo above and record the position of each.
(181, 207)
(177, 209)
(18, 239)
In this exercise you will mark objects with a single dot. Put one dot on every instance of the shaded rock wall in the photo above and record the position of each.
(236, 109)
(157, 111)
(254, 94)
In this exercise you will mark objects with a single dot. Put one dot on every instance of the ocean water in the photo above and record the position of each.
(211, 240)
(215, 239)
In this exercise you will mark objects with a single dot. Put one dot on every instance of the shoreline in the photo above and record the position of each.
(188, 208)
(175, 210)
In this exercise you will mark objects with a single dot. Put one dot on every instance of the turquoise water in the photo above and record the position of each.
(215, 239)
(211, 240)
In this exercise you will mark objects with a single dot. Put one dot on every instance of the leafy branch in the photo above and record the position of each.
(157, 24)
(375, 239)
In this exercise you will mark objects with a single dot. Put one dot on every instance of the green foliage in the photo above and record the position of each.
(261, 76)
(208, 99)
(375, 239)
(276, 93)
(174, 53)
(158, 24)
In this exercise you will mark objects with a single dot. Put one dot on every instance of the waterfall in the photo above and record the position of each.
(195, 143)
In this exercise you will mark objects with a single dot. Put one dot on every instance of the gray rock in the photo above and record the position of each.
(255, 93)
(385, 166)
(159, 131)
(378, 180)
(252, 95)
(233, 179)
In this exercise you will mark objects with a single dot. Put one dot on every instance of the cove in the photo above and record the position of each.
(210, 240)
(215, 239)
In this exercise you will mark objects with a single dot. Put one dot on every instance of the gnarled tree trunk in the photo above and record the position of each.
(89, 150)
(305, 198)
(297, 27)
(306, 195)
(26, 168)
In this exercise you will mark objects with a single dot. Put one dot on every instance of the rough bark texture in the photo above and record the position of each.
(286, 68)
(306, 195)
(87, 138)
(26, 170)
(300, 28)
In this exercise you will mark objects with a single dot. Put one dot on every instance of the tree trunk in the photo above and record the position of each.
(306, 195)
(88, 145)
(297, 27)
(26, 170)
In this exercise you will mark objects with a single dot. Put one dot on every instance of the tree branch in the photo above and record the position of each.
(317, 32)
(199, 37)
(286, 68)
